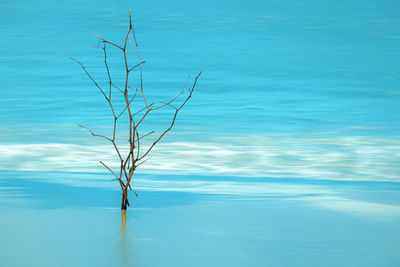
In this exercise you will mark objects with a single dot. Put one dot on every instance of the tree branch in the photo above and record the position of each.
(142, 162)
(117, 88)
(140, 63)
(94, 134)
(87, 73)
(128, 104)
(117, 178)
(143, 136)
(173, 119)
(108, 71)
(108, 41)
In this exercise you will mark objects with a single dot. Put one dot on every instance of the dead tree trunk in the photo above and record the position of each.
(136, 155)
(124, 202)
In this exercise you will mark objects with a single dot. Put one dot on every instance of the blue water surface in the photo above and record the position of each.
(288, 153)
(298, 67)
(301, 69)
(197, 221)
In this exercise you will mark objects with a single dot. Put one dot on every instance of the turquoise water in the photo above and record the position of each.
(198, 221)
(288, 154)
(315, 86)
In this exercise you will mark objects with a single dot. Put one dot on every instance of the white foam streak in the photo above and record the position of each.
(377, 211)
(336, 158)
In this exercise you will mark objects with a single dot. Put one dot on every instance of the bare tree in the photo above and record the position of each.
(136, 154)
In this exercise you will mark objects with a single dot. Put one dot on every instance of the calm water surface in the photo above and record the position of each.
(305, 93)
(198, 221)
(285, 85)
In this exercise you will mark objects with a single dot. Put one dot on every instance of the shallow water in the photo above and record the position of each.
(213, 223)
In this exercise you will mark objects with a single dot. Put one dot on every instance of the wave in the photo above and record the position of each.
(335, 158)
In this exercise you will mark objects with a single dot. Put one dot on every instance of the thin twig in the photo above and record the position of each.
(173, 119)
(122, 184)
(111, 43)
(142, 162)
(108, 71)
(137, 65)
(117, 87)
(133, 32)
(142, 110)
(87, 73)
(141, 70)
(143, 136)
(102, 163)
(128, 104)
(94, 134)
